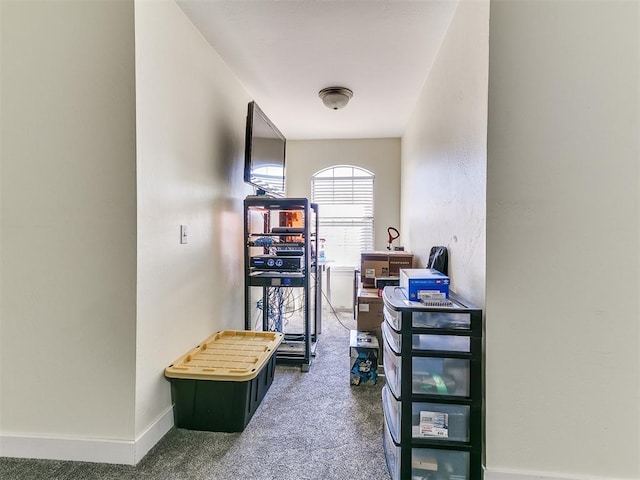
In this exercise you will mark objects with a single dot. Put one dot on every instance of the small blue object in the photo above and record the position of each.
(364, 369)
(264, 241)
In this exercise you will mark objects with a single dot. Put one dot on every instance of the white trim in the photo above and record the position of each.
(153, 434)
(499, 474)
(75, 449)
(124, 452)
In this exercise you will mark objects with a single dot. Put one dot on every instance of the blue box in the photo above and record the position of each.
(414, 280)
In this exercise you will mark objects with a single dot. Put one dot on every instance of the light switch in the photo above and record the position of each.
(183, 234)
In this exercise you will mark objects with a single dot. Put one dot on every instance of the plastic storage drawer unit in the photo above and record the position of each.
(218, 385)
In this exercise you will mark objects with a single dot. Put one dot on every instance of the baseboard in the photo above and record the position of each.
(122, 452)
(496, 474)
(153, 434)
(75, 449)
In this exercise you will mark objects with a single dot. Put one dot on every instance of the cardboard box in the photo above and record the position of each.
(415, 280)
(398, 261)
(382, 264)
(363, 350)
(372, 265)
(369, 316)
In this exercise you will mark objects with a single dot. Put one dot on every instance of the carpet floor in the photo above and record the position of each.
(311, 425)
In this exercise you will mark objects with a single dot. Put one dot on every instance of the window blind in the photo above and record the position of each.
(345, 212)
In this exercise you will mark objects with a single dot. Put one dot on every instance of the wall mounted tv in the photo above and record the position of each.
(264, 154)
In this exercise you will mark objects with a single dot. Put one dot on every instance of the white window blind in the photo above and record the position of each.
(344, 195)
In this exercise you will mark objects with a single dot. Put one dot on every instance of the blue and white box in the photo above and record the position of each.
(415, 280)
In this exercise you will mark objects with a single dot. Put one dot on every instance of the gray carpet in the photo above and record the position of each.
(310, 425)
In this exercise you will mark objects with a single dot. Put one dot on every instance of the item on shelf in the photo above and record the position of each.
(393, 234)
(322, 252)
(381, 282)
(289, 251)
(433, 383)
(276, 262)
(433, 424)
(263, 241)
(288, 230)
(424, 462)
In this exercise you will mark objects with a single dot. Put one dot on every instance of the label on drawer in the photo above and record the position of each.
(434, 424)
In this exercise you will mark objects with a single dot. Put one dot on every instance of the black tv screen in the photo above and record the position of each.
(264, 156)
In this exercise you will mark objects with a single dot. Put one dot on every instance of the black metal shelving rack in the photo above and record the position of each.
(406, 326)
(264, 235)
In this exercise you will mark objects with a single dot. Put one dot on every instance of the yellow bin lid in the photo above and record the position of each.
(229, 355)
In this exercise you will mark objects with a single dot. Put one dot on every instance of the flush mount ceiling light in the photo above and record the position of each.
(335, 97)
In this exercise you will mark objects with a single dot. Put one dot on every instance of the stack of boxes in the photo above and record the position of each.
(385, 266)
(382, 265)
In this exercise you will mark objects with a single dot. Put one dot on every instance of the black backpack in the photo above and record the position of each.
(439, 259)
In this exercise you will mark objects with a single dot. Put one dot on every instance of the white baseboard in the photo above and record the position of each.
(496, 474)
(153, 434)
(124, 452)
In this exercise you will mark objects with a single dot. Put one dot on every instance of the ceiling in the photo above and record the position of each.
(285, 51)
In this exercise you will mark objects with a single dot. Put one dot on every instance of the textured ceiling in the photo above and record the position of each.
(284, 52)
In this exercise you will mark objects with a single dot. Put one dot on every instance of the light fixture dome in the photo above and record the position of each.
(335, 97)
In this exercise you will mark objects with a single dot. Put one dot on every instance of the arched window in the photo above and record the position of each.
(344, 194)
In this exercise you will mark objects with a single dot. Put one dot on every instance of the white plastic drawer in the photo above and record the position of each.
(394, 317)
(391, 453)
(431, 375)
(393, 337)
(426, 342)
(454, 320)
(391, 362)
(459, 320)
(435, 421)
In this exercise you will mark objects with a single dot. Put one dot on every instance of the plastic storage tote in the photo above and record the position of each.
(218, 385)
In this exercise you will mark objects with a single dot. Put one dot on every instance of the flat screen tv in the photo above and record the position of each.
(264, 155)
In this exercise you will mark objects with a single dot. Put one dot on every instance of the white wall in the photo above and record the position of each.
(380, 156)
(563, 249)
(444, 155)
(1, 275)
(68, 221)
(191, 115)
(98, 295)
